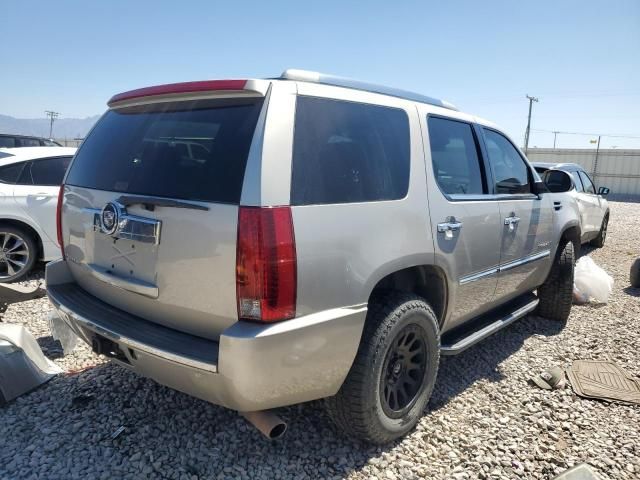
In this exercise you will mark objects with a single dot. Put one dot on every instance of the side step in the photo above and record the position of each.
(459, 339)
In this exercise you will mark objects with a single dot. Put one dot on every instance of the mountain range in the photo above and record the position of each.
(63, 128)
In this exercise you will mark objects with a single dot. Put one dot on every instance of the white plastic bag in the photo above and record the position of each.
(592, 281)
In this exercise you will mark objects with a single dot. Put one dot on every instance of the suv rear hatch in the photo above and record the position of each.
(150, 210)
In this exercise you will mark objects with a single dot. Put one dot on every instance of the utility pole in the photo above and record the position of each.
(595, 162)
(52, 116)
(555, 134)
(526, 135)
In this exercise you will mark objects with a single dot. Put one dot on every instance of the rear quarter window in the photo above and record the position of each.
(346, 152)
(10, 173)
(48, 171)
(195, 150)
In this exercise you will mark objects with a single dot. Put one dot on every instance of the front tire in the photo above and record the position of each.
(598, 242)
(393, 374)
(18, 253)
(556, 293)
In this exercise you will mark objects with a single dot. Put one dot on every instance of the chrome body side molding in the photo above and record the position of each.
(502, 268)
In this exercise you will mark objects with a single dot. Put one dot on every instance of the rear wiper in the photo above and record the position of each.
(150, 203)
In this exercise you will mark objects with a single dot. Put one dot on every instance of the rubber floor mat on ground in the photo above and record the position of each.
(603, 380)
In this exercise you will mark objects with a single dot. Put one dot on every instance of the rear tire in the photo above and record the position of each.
(556, 293)
(598, 242)
(393, 374)
(18, 253)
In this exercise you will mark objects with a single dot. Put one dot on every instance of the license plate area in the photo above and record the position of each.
(129, 248)
(125, 258)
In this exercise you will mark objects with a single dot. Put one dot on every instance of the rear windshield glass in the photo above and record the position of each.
(193, 150)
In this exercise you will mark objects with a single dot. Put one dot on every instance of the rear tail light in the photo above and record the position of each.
(59, 219)
(266, 267)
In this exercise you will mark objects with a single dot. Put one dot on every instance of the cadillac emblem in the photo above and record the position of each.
(109, 218)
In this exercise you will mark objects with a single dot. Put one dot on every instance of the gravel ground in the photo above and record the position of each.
(484, 419)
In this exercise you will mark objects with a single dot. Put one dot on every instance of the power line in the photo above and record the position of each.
(52, 116)
(557, 132)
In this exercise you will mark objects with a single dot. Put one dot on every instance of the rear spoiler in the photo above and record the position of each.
(172, 91)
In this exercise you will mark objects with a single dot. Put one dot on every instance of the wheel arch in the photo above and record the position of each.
(573, 234)
(29, 229)
(426, 281)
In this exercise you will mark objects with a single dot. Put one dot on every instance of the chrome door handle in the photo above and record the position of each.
(448, 228)
(511, 221)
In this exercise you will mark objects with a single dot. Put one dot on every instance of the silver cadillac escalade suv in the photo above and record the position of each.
(261, 243)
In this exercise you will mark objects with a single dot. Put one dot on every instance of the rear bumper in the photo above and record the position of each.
(251, 367)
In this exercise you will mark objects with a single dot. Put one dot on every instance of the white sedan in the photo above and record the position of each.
(30, 180)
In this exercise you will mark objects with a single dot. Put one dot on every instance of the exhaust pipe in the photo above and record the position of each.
(267, 422)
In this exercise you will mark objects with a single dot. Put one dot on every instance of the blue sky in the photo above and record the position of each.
(581, 58)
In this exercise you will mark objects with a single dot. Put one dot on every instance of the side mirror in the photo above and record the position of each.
(538, 188)
(557, 181)
(604, 191)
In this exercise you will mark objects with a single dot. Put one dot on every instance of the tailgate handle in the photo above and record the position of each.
(131, 285)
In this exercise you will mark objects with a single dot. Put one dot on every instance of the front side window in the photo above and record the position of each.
(10, 173)
(49, 171)
(510, 172)
(576, 181)
(345, 152)
(454, 156)
(588, 184)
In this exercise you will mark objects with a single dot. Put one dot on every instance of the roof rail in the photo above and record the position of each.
(317, 77)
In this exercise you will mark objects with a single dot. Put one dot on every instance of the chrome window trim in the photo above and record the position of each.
(461, 197)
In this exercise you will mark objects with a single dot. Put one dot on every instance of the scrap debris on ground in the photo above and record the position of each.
(485, 419)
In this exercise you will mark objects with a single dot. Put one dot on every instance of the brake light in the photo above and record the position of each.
(59, 219)
(266, 265)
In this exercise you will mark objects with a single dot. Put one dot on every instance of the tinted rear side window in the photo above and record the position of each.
(10, 173)
(193, 150)
(49, 171)
(346, 152)
(454, 155)
(510, 172)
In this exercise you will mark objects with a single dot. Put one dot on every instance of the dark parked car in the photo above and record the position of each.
(16, 141)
